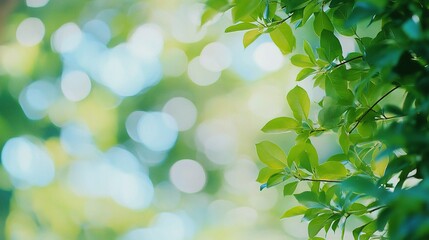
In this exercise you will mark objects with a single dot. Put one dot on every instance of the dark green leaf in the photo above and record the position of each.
(331, 45)
(322, 22)
(317, 224)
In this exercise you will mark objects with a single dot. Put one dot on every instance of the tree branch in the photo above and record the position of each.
(370, 109)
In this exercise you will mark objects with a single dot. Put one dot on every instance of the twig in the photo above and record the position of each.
(347, 61)
(373, 105)
(319, 180)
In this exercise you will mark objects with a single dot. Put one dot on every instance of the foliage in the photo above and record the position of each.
(380, 176)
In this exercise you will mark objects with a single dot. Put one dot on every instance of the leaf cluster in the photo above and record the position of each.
(375, 101)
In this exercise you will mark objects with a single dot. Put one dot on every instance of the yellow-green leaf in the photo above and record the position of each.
(299, 103)
(295, 211)
(250, 36)
(280, 125)
(305, 72)
(301, 60)
(283, 37)
(271, 154)
(331, 170)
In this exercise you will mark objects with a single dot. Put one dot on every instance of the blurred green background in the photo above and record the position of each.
(128, 120)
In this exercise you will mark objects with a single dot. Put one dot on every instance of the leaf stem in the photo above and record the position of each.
(359, 120)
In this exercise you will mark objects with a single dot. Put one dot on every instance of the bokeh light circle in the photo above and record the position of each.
(188, 176)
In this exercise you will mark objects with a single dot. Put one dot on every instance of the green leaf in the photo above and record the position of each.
(357, 209)
(295, 211)
(292, 5)
(309, 199)
(305, 72)
(240, 27)
(331, 45)
(322, 22)
(360, 184)
(309, 50)
(244, 8)
(301, 152)
(271, 154)
(265, 173)
(250, 37)
(299, 103)
(317, 224)
(283, 37)
(331, 170)
(276, 179)
(289, 188)
(301, 60)
(344, 141)
(281, 125)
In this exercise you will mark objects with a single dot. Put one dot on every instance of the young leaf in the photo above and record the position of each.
(299, 103)
(283, 37)
(250, 37)
(305, 72)
(281, 125)
(309, 50)
(271, 154)
(240, 27)
(289, 188)
(322, 22)
(295, 211)
(265, 173)
(331, 170)
(301, 60)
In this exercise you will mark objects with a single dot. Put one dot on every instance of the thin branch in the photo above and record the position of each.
(347, 61)
(375, 209)
(280, 22)
(319, 180)
(369, 110)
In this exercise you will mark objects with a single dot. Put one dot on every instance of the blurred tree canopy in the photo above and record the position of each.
(370, 58)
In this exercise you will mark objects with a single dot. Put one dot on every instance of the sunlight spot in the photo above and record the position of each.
(37, 3)
(157, 131)
(147, 41)
(27, 162)
(75, 85)
(99, 29)
(66, 38)
(268, 57)
(183, 111)
(200, 75)
(188, 176)
(36, 99)
(30, 32)
(215, 57)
